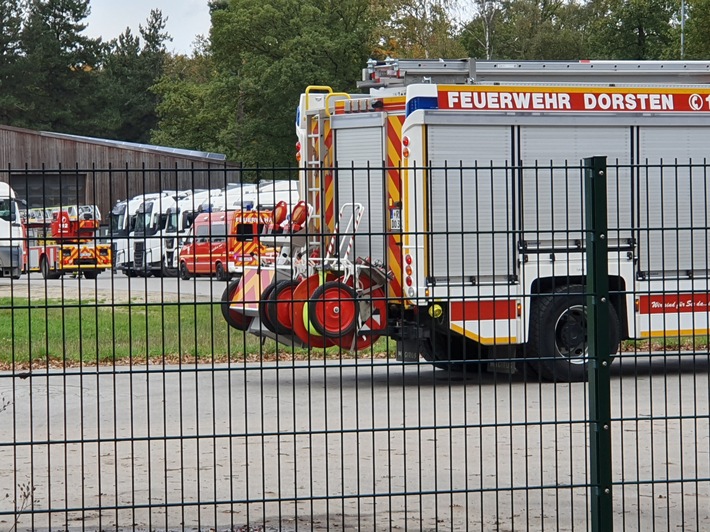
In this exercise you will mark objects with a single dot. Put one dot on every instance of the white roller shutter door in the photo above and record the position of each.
(360, 178)
(553, 184)
(470, 203)
(674, 235)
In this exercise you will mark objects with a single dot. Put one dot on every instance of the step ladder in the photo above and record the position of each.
(314, 180)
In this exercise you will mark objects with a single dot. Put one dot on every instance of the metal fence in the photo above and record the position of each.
(509, 348)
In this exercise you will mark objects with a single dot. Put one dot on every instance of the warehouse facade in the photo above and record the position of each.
(47, 169)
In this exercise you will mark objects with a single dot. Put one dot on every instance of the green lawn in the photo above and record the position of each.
(65, 333)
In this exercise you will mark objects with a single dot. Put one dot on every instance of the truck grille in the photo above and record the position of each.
(139, 254)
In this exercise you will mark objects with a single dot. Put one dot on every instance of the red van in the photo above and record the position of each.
(222, 243)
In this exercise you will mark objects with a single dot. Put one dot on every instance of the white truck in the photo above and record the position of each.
(478, 213)
(122, 223)
(270, 193)
(180, 218)
(230, 198)
(123, 219)
(147, 237)
(12, 234)
(162, 221)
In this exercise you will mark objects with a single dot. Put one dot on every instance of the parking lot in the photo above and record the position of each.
(331, 445)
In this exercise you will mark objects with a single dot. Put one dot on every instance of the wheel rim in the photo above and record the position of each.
(300, 295)
(571, 334)
(378, 316)
(336, 310)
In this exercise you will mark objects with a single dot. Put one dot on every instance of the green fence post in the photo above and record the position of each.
(597, 289)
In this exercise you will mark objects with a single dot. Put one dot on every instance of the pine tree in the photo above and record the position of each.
(10, 71)
(132, 66)
(59, 67)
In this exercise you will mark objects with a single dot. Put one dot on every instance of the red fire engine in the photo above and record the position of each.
(68, 243)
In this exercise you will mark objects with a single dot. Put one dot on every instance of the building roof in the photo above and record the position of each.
(132, 146)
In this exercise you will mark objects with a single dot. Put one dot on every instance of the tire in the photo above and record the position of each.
(221, 273)
(333, 309)
(557, 345)
(16, 273)
(47, 272)
(91, 274)
(234, 318)
(452, 352)
(264, 315)
(279, 306)
(168, 272)
(184, 273)
(129, 272)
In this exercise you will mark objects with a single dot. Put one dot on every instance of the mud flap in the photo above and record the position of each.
(408, 350)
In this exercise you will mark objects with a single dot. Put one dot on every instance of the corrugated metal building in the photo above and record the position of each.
(48, 169)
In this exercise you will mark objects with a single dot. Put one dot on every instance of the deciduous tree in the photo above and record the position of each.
(423, 29)
(632, 29)
(527, 29)
(266, 52)
(195, 104)
(696, 37)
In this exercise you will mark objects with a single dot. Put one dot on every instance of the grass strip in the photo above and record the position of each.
(63, 333)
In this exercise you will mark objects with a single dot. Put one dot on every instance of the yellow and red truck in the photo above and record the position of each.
(68, 243)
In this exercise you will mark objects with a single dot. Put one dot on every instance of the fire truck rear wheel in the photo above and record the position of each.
(557, 346)
(46, 270)
(184, 274)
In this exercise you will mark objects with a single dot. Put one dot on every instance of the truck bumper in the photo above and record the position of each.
(10, 261)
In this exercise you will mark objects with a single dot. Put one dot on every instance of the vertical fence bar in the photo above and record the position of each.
(595, 204)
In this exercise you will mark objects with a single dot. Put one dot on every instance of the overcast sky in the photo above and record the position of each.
(186, 19)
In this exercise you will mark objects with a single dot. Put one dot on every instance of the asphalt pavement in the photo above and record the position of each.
(357, 445)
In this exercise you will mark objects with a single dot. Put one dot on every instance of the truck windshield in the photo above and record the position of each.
(143, 220)
(118, 227)
(172, 223)
(188, 217)
(163, 221)
(8, 210)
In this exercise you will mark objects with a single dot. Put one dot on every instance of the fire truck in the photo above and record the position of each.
(222, 243)
(469, 242)
(68, 243)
